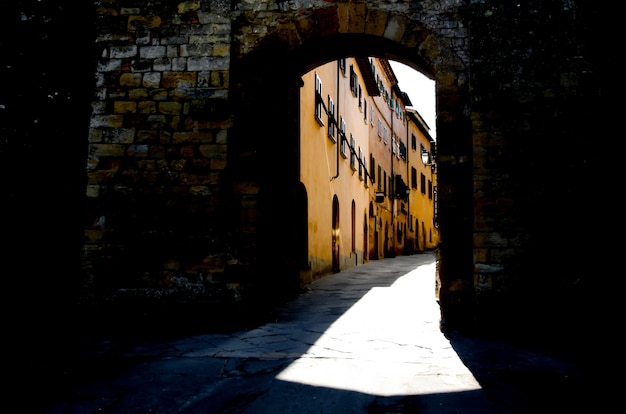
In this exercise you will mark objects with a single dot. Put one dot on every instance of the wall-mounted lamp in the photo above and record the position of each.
(427, 159)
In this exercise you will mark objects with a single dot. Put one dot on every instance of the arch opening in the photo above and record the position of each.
(267, 91)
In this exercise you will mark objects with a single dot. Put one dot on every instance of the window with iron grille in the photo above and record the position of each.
(353, 81)
(319, 104)
(365, 111)
(331, 119)
(343, 138)
(402, 150)
(365, 172)
(352, 153)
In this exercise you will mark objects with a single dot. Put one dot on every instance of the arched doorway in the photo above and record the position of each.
(365, 239)
(373, 233)
(336, 251)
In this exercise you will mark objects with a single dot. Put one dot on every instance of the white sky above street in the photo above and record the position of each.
(421, 91)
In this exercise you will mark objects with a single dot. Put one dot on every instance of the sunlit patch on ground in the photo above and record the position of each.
(388, 343)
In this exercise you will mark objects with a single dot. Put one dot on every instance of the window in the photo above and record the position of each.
(413, 178)
(352, 153)
(331, 119)
(380, 172)
(373, 167)
(380, 128)
(365, 111)
(423, 151)
(402, 150)
(385, 139)
(360, 98)
(365, 171)
(353, 214)
(319, 104)
(413, 142)
(343, 138)
(385, 181)
(430, 190)
(353, 81)
(399, 112)
(342, 65)
(423, 183)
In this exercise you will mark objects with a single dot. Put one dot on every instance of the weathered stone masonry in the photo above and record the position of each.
(192, 137)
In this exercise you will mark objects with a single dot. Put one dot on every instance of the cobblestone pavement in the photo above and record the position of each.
(365, 340)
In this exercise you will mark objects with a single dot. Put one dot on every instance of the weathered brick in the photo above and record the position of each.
(137, 22)
(110, 121)
(119, 135)
(107, 150)
(121, 52)
(178, 79)
(146, 107)
(152, 52)
(213, 151)
(169, 108)
(124, 107)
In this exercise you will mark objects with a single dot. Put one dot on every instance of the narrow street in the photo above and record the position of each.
(365, 340)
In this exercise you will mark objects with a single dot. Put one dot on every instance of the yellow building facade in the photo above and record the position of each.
(356, 166)
(422, 175)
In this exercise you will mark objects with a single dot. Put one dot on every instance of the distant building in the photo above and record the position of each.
(367, 166)
(424, 227)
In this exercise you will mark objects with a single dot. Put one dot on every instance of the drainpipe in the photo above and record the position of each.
(336, 119)
(393, 191)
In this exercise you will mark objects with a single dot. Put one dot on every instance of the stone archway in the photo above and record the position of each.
(301, 42)
(193, 143)
(162, 214)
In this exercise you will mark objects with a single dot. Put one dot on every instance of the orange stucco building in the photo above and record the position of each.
(370, 194)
